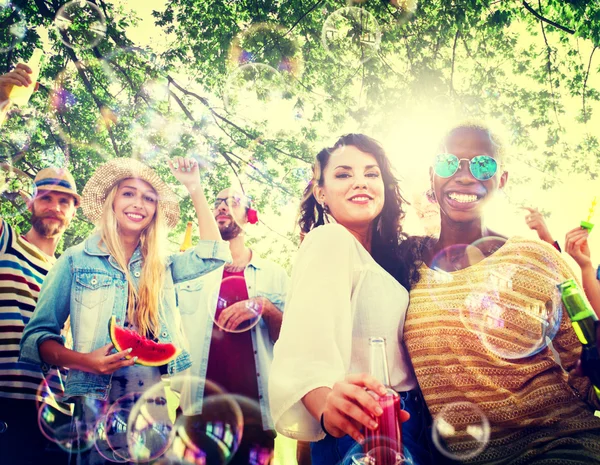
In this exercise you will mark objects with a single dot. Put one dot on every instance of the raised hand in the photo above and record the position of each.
(102, 362)
(576, 245)
(536, 222)
(17, 77)
(185, 170)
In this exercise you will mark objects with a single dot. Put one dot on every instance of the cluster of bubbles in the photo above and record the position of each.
(163, 422)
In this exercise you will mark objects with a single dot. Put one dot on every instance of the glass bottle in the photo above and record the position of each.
(20, 95)
(584, 321)
(384, 443)
(187, 239)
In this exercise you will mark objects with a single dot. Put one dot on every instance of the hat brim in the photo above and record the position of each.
(108, 175)
(27, 197)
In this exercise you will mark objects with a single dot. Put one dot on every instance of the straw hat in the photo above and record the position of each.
(109, 174)
(54, 180)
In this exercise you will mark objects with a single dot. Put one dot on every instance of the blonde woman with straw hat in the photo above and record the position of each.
(122, 271)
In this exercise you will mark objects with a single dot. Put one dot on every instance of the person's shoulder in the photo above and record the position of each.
(534, 250)
(330, 235)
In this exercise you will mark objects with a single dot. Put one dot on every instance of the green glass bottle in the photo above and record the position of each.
(584, 322)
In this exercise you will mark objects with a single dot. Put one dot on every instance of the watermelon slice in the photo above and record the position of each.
(149, 353)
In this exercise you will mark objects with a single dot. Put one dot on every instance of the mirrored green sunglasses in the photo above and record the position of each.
(482, 167)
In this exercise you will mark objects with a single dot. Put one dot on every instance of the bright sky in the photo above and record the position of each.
(410, 140)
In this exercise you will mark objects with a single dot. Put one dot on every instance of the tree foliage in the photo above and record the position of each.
(522, 63)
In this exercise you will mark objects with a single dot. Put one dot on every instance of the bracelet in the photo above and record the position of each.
(323, 424)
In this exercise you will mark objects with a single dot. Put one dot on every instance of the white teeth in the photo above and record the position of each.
(359, 198)
(134, 215)
(462, 198)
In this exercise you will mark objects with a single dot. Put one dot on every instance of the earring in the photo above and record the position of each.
(430, 194)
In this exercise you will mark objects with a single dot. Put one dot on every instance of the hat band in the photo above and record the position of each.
(54, 182)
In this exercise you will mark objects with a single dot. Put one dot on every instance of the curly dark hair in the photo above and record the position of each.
(387, 229)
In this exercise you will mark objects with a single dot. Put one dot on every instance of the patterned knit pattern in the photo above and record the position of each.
(477, 335)
(23, 268)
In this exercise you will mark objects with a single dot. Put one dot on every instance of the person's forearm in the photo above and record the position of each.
(273, 317)
(54, 353)
(315, 400)
(591, 287)
(207, 226)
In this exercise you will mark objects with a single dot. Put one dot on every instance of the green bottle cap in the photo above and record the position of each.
(586, 225)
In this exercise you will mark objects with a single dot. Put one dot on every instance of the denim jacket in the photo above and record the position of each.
(88, 284)
(198, 296)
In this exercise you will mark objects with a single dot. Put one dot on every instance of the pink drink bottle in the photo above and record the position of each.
(383, 444)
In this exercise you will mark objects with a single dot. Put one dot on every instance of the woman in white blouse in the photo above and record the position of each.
(342, 293)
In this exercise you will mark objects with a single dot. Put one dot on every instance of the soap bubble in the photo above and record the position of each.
(209, 434)
(269, 44)
(461, 431)
(511, 318)
(236, 318)
(73, 431)
(14, 26)
(80, 24)
(150, 428)
(258, 93)
(351, 36)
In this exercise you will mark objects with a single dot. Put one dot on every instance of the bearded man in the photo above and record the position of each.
(24, 262)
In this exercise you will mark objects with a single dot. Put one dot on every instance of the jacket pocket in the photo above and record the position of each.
(92, 289)
(190, 296)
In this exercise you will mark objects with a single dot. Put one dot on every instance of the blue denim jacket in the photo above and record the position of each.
(88, 284)
(197, 297)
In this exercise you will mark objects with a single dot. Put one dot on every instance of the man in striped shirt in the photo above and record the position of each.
(24, 262)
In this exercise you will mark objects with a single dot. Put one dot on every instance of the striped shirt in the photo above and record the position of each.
(23, 268)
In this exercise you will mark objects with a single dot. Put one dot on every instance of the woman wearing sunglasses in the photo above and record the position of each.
(477, 323)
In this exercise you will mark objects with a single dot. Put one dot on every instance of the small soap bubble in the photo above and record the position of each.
(80, 24)
(351, 36)
(14, 26)
(461, 431)
(234, 312)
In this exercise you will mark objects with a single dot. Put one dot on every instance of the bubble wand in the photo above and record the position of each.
(586, 224)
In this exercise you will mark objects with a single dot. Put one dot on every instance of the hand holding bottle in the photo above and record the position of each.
(20, 77)
(349, 407)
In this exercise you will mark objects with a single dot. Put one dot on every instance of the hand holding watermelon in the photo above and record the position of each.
(102, 362)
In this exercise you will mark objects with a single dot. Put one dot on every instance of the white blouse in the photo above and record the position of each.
(339, 298)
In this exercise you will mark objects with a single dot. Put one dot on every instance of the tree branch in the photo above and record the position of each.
(546, 20)
(587, 74)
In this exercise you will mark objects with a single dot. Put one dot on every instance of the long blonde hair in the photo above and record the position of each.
(143, 304)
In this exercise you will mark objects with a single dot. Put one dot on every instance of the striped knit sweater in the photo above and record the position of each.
(23, 268)
(476, 335)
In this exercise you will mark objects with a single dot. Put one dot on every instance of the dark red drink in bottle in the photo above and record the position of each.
(384, 444)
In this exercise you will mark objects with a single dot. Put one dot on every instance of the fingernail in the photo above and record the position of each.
(130, 349)
(360, 439)
(378, 410)
(373, 425)
(135, 359)
(382, 391)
